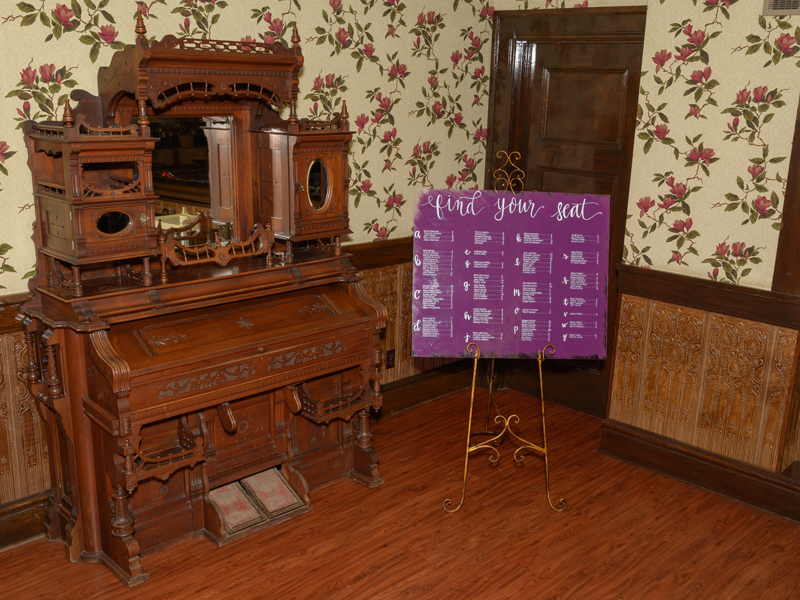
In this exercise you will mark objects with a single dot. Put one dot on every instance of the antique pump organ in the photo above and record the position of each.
(173, 358)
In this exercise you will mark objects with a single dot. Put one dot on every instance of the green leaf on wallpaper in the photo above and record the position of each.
(107, 15)
(753, 38)
(672, 238)
(25, 7)
(777, 159)
(87, 39)
(753, 49)
(776, 226)
(767, 47)
(730, 207)
(90, 5)
(94, 52)
(731, 197)
(44, 19)
(28, 20)
(647, 145)
(745, 208)
(76, 8)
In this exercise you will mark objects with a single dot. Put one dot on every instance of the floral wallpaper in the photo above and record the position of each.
(717, 108)
(714, 128)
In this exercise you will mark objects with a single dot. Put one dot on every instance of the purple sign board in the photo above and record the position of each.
(510, 272)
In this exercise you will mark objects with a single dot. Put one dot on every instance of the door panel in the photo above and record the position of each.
(564, 95)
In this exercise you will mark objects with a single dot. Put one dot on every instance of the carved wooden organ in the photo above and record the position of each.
(173, 358)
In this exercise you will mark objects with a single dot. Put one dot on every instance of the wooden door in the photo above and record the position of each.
(564, 93)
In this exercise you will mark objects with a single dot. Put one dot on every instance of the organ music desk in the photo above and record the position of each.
(169, 363)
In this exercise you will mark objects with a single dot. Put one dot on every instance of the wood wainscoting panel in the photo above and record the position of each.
(24, 468)
(391, 286)
(712, 381)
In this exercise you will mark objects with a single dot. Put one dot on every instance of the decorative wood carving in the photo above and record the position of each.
(712, 381)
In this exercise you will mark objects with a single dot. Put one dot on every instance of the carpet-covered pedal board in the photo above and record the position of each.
(256, 500)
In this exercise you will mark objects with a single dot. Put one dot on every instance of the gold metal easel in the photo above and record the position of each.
(509, 177)
(506, 422)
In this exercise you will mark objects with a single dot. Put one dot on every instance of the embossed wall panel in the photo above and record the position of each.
(716, 382)
(24, 468)
(392, 287)
(625, 388)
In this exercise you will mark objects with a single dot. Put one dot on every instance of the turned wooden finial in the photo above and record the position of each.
(140, 29)
(69, 118)
(344, 110)
(295, 35)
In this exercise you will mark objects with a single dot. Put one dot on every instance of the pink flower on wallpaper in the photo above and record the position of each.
(3, 149)
(476, 41)
(421, 19)
(268, 38)
(143, 9)
(700, 76)
(335, 4)
(449, 181)
(755, 170)
(64, 15)
(666, 202)
(697, 37)
(433, 80)
(366, 186)
(28, 76)
(694, 110)
(246, 44)
(480, 134)
(785, 42)
(469, 163)
(722, 249)
(343, 36)
(385, 102)
(661, 131)
(762, 205)
(417, 150)
(427, 147)
(645, 204)
(679, 189)
(391, 3)
(186, 27)
(377, 117)
(743, 96)
(369, 50)
(715, 273)
(733, 125)
(738, 248)
(319, 83)
(457, 118)
(479, 72)
(584, 4)
(760, 94)
(108, 34)
(685, 53)
(380, 232)
(277, 27)
(25, 113)
(487, 12)
(438, 108)
(398, 70)
(680, 225)
(676, 256)
(387, 165)
(388, 135)
(727, 3)
(697, 156)
(660, 58)
(330, 81)
(391, 31)
(394, 200)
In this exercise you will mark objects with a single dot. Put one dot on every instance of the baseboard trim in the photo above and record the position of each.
(425, 387)
(23, 520)
(762, 489)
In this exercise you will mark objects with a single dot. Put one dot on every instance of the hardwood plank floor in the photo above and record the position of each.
(628, 533)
